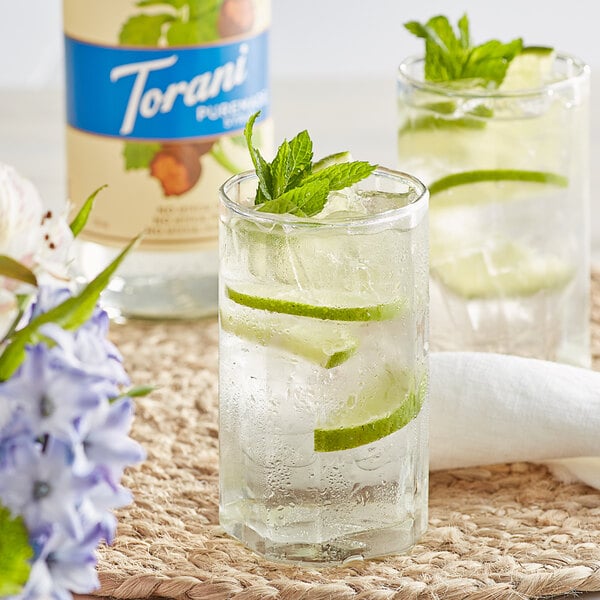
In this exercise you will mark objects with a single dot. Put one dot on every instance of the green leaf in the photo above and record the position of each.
(314, 197)
(81, 218)
(449, 57)
(143, 30)
(287, 185)
(342, 175)
(135, 392)
(280, 169)
(23, 302)
(262, 168)
(193, 32)
(491, 60)
(9, 267)
(139, 391)
(139, 155)
(465, 36)
(301, 155)
(15, 554)
(69, 315)
(304, 201)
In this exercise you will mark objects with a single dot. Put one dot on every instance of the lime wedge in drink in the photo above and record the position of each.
(326, 344)
(491, 185)
(333, 311)
(383, 406)
(498, 269)
(529, 70)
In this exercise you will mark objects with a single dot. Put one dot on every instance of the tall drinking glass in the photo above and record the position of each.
(323, 372)
(508, 177)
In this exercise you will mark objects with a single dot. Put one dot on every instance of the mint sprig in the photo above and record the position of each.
(451, 57)
(291, 183)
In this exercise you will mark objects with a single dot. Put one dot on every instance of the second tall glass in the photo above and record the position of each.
(508, 177)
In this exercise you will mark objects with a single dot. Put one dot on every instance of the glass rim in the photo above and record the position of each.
(419, 204)
(583, 71)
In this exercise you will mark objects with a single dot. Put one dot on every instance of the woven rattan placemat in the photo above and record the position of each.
(502, 532)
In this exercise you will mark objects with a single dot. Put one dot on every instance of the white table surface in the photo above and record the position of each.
(356, 115)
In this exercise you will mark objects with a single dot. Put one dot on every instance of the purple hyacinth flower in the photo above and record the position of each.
(85, 350)
(105, 441)
(15, 433)
(64, 565)
(44, 489)
(51, 395)
(88, 345)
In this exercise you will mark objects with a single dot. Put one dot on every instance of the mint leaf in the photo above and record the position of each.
(143, 30)
(451, 57)
(444, 52)
(491, 60)
(292, 183)
(304, 201)
(301, 155)
(139, 155)
(292, 162)
(343, 175)
(280, 166)
(314, 197)
(15, 554)
(262, 168)
(465, 35)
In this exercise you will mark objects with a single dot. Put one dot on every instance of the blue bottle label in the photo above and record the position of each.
(166, 93)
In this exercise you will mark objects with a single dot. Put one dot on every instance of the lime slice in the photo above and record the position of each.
(382, 407)
(529, 70)
(375, 312)
(331, 159)
(504, 269)
(490, 185)
(446, 115)
(328, 345)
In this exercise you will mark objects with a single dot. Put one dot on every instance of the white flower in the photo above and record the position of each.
(21, 213)
(36, 238)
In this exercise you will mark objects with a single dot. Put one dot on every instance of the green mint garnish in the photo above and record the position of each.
(15, 554)
(291, 184)
(452, 57)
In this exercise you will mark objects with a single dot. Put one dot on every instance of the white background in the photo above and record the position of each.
(327, 38)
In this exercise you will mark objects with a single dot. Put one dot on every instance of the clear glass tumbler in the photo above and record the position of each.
(508, 175)
(323, 372)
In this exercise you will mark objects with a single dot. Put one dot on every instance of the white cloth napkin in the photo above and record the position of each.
(492, 408)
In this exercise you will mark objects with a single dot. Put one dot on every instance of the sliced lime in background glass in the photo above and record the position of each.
(497, 269)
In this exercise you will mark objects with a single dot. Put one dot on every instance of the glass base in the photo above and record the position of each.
(155, 285)
(348, 548)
